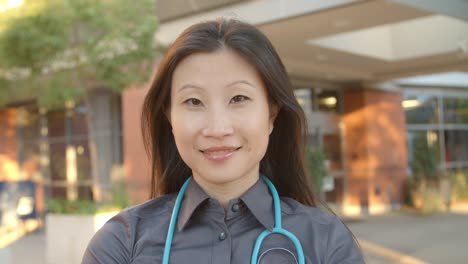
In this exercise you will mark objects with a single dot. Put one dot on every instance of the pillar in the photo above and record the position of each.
(375, 150)
(137, 165)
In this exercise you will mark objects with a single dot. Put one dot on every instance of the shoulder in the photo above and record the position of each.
(315, 215)
(339, 244)
(113, 243)
(151, 208)
(129, 217)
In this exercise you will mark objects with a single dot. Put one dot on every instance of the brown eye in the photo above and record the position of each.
(193, 102)
(239, 99)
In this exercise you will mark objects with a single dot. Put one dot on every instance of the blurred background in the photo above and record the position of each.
(384, 85)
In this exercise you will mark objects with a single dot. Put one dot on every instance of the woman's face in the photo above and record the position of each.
(220, 117)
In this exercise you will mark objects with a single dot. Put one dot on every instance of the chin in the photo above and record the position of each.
(218, 175)
(220, 178)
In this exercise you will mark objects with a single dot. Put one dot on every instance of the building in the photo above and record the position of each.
(373, 77)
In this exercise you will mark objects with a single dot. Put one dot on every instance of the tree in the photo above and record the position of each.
(61, 50)
(316, 163)
(426, 159)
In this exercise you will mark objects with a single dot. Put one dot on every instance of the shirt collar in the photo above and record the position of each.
(257, 199)
(194, 196)
(260, 202)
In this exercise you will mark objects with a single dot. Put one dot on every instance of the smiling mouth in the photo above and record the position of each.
(219, 153)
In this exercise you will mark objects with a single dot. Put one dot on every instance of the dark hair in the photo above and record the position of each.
(283, 162)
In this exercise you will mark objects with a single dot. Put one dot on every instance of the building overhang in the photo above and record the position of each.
(349, 41)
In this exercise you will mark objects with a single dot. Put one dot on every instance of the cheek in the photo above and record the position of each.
(256, 131)
(184, 129)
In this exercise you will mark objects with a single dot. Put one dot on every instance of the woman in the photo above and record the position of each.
(221, 110)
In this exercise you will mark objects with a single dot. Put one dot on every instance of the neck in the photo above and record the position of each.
(226, 191)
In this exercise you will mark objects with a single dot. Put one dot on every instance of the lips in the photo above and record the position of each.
(219, 153)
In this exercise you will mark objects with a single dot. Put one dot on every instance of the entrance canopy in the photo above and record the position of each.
(342, 41)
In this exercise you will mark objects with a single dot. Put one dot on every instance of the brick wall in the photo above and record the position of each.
(376, 153)
(136, 163)
(9, 169)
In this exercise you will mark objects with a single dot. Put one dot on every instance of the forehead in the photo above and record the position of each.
(216, 68)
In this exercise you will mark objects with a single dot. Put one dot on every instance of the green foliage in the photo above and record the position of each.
(117, 201)
(58, 89)
(72, 45)
(80, 206)
(4, 91)
(426, 158)
(428, 200)
(63, 206)
(459, 185)
(316, 162)
(119, 196)
(32, 41)
(432, 201)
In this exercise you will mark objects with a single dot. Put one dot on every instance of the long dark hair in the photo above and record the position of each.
(283, 162)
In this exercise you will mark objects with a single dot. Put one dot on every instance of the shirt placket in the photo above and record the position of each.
(222, 239)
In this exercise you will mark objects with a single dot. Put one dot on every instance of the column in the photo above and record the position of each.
(375, 150)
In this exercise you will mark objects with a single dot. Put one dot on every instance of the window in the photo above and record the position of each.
(456, 145)
(421, 109)
(27, 129)
(423, 150)
(456, 110)
(424, 111)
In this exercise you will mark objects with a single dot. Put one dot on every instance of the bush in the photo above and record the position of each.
(428, 201)
(316, 164)
(433, 201)
(64, 206)
(459, 185)
(86, 206)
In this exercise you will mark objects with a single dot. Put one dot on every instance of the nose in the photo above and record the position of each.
(218, 124)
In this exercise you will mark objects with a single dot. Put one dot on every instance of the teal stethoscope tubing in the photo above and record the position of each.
(277, 229)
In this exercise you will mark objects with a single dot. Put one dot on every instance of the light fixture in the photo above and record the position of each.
(80, 150)
(410, 103)
(329, 101)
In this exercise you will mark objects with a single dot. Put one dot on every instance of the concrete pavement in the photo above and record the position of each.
(406, 237)
(400, 237)
(29, 249)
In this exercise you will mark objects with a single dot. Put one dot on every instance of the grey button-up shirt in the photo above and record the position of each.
(205, 233)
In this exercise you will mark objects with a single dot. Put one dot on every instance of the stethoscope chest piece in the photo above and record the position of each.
(277, 255)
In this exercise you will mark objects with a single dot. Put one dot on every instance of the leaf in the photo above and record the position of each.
(316, 162)
(4, 92)
(32, 41)
(92, 42)
(59, 89)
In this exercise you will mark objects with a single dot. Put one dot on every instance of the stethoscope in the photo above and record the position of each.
(277, 229)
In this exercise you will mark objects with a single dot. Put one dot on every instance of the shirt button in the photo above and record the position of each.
(235, 207)
(222, 236)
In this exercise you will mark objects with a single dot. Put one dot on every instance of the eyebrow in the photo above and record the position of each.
(241, 81)
(186, 86)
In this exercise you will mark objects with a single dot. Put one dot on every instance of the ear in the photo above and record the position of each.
(274, 110)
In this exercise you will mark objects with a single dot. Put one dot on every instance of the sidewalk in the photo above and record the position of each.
(405, 237)
(29, 249)
(401, 237)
